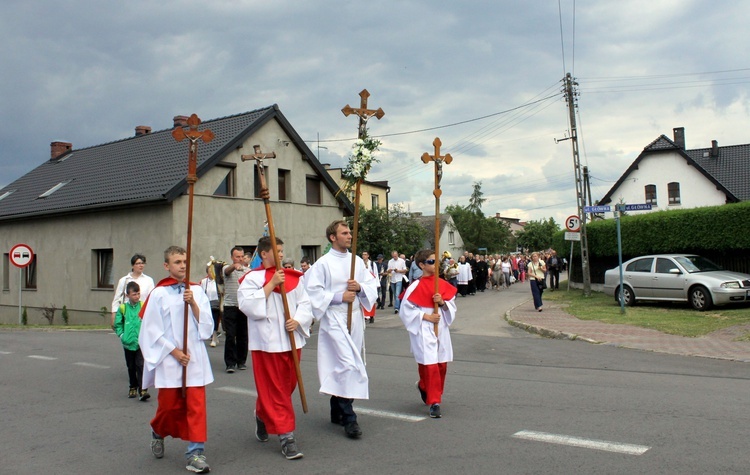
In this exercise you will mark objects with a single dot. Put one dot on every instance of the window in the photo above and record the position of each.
(451, 237)
(313, 190)
(673, 190)
(665, 266)
(256, 182)
(227, 185)
(6, 194)
(54, 189)
(104, 277)
(311, 252)
(651, 194)
(29, 273)
(375, 201)
(284, 183)
(6, 271)
(641, 265)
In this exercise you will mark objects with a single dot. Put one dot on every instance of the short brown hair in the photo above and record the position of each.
(334, 227)
(423, 255)
(173, 250)
(264, 244)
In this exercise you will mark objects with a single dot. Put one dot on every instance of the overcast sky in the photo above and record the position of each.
(88, 72)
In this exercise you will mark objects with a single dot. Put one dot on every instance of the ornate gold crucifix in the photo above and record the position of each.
(258, 157)
(439, 160)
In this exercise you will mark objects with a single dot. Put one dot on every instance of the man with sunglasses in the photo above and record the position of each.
(432, 352)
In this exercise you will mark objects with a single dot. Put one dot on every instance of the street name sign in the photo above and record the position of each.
(597, 209)
(572, 236)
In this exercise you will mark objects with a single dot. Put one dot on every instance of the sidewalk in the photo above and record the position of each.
(553, 322)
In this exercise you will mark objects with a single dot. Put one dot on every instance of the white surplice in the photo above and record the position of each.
(426, 348)
(464, 273)
(341, 368)
(162, 331)
(265, 317)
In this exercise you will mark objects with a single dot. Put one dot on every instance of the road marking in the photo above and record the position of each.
(359, 410)
(91, 365)
(389, 414)
(236, 390)
(6, 352)
(45, 358)
(580, 442)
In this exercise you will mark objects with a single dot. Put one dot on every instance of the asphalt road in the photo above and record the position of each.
(598, 409)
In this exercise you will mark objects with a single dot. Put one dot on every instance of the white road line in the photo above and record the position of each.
(236, 390)
(389, 414)
(91, 365)
(6, 352)
(40, 357)
(358, 410)
(580, 442)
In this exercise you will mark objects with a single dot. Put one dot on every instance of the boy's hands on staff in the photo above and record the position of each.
(187, 296)
(438, 299)
(291, 325)
(431, 317)
(180, 356)
(352, 287)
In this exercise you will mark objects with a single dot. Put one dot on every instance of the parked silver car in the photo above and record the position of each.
(677, 278)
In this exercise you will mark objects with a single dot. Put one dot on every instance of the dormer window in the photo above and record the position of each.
(54, 189)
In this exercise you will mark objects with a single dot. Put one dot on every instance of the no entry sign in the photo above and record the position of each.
(21, 255)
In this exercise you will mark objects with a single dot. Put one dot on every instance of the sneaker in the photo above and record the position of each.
(157, 447)
(435, 411)
(132, 393)
(260, 430)
(242, 367)
(289, 449)
(422, 393)
(197, 463)
(144, 395)
(352, 430)
(213, 342)
(230, 368)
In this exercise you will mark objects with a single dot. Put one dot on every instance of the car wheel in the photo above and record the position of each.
(627, 296)
(700, 298)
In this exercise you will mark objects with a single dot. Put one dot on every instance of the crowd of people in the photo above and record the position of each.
(164, 328)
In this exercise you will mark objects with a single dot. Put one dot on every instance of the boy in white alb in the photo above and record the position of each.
(259, 298)
(432, 352)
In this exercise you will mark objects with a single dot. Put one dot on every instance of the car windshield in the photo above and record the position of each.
(694, 264)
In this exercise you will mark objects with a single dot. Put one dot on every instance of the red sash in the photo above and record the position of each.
(166, 282)
(422, 295)
(291, 278)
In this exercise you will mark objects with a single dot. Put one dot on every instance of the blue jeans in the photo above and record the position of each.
(396, 289)
(536, 293)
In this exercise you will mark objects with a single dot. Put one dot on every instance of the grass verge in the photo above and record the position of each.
(15, 326)
(673, 318)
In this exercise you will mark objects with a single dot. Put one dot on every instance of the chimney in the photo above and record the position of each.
(327, 166)
(57, 149)
(497, 215)
(180, 120)
(714, 149)
(679, 137)
(142, 130)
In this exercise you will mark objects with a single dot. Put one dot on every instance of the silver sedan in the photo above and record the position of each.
(677, 278)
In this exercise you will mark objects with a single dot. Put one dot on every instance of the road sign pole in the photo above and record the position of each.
(570, 263)
(619, 257)
(20, 281)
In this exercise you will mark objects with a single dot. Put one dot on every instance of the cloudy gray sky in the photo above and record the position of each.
(88, 72)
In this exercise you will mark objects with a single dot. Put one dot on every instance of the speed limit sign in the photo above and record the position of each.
(573, 224)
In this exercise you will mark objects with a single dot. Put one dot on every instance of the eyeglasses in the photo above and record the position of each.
(429, 262)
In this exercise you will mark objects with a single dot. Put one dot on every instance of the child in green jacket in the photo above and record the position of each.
(127, 327)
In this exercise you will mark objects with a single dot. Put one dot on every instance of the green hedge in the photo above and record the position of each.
(710, 229)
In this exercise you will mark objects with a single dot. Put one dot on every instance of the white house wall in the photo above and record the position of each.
(663, 168)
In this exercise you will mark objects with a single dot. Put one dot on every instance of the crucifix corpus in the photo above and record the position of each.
(258, 157)
(439, 160)
(193, 135)
(364, 115)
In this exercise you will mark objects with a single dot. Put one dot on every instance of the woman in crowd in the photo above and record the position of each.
(536, 270)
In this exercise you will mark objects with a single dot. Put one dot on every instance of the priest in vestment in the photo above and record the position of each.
(341, 366)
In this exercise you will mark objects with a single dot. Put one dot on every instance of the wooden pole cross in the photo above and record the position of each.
(364, 115)
(258, 157)
(193, 135)
(439, 160)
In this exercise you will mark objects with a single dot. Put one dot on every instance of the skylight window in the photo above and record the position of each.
(6, 194)
(54, 189)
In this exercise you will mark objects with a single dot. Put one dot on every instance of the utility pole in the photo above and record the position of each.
(571, 94)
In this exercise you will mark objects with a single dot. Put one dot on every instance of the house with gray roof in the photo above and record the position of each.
(86, 211)
(668, 176)
(450, 239)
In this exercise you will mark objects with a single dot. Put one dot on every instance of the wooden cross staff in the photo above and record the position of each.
(439, 160)
(193, 135)
(364, 115)
(258, 157)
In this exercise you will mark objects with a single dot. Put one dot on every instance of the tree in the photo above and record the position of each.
(476, 230)
(538, 235)
(381, 231)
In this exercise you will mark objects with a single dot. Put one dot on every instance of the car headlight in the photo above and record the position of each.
(730, 285)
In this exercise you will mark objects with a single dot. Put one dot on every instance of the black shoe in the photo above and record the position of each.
(352, 430)
(260, 430)
(144, 395)
(242, 367)
(230, 368)
(422, 393)
(390, 305)
(435, 411)
(289, 449)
